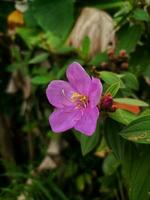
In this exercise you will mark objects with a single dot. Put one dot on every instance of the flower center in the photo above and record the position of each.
(80, 100)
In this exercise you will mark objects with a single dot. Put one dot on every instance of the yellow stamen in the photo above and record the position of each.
(79, 99)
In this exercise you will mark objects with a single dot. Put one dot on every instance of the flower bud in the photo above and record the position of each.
(124, 66)
(113, 108)
(107, 102)
(111, 52)
(104, 65)
(122, 53)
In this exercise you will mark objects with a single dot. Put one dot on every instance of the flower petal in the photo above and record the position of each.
(87, 123)
(64, 119)
(59, 93)
(78, 78)
(95, 92)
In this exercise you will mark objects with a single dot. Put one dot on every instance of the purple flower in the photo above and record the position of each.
(75, 101)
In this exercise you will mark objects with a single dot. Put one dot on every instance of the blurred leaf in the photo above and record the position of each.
(61, 72)
(39, 58)
(29, 36)
(56, 17)
(111, 78)
(130, 81)
(71, 169)
(140, 61)
(29, 127)
(29, 19)
(41, 80)
(135, 161)
(113, 139)
(58, 193)
(64, 49)
(138, 130)
(85, 47)
(102, 149)
(141, 14)
(124, 37)
(105, 5)
(7, 9)
(98, 59)
(140, 179)
(122, 116)
(14, 66)
(110, 164)
(124, 10)
(88, 178)
(88, 143)
(129, 101)
(113, 89)
(39, 70)
(146, 71)
(80, 183)
(52, 42)
(38, 186)
(145, 112)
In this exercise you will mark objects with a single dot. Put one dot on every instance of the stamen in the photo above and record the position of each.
(80, 100)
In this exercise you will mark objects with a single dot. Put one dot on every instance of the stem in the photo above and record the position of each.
(6, 147)
(116, 194)
(120, 187)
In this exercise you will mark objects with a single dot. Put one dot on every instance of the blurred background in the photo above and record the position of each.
(38, 39)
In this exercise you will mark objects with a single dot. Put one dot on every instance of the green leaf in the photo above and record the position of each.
(53, 16)
(41, 80)
(99, 58)
(140, 61)
(39, 70)
(88, 143)
(129, 101)
(13, 67)
(145, 112)
(30, 36)
(56, 191)
(111, 78)
(134, 159)
(125, 35)
(39, 58)
(138, 130)
(110, 164)
(80, 182)
(122, 116)
(40, 187)
(102, 149)
(130, 81)
(53, 42)
(141, 14)
(113, 89)
(140, 179)
(123, 11)
(61, 72)
(105, 5)
(85, 46)
(29, 19)
(113, 139)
